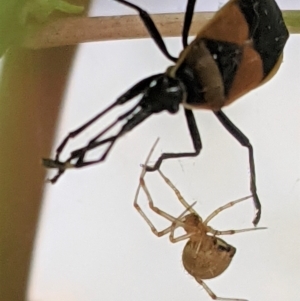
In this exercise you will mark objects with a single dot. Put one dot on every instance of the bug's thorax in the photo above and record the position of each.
(163, 93)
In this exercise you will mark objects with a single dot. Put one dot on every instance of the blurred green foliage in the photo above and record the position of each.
(15, 15)
(292, 18)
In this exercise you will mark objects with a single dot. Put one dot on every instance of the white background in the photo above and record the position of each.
(92, 244)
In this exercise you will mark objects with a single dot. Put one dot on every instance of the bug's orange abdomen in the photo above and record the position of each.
(239, 49)
(228, 25)
(248, 76)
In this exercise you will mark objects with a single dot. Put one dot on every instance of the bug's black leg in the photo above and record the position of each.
(80, 129)
(194, 132)
(137, 88)
(154, 33)
(79, 154)
(93, 143)
(244, 141)
(187, 21)
(128, 95)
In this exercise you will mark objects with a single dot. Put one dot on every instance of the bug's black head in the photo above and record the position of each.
(163, 93)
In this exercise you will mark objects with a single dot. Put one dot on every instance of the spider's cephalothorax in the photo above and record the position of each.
(239, 49)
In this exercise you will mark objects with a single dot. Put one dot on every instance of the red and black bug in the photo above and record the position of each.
(239, 49)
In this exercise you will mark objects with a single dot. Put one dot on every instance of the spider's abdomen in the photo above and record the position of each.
(210, 260)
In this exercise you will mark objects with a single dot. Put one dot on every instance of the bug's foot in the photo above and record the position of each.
(49, 163)
(154, 167)
(149, 168)
(257, 211)
(61, 166)
(55, 178)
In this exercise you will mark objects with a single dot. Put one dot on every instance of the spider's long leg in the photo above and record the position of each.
(228, 205)
(154, 33)
(180, 223)
(187, 21)
(244, 141)
(194, 133)
(142, 185)
(213, 295)
(230, 232)
(143, 172)
(177, 192)
(180, 238)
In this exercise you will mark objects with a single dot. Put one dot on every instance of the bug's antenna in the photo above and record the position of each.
(152, 30)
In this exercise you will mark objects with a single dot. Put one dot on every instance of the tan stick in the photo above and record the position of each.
(74, 30)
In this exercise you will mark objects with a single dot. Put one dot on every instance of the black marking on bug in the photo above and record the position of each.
(265, 20)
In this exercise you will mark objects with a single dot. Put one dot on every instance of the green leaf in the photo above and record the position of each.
(14, 16)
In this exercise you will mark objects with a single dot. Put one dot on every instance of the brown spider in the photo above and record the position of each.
(205, 255)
